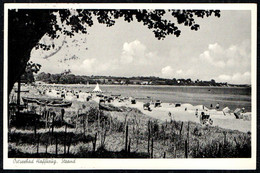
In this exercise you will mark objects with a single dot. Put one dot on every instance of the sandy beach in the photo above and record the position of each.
(227, 121)
(169, 138)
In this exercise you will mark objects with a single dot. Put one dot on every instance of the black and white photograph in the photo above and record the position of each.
(96, 85)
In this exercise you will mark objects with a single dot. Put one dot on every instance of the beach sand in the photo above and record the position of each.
(227, 121)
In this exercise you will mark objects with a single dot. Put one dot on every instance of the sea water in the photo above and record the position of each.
(232, 97)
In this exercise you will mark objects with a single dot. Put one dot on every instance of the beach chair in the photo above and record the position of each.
(146, 106)
(205, 119)
(133, 101)
(157, 103)
(177, 105)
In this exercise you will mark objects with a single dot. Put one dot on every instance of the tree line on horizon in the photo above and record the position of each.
(68, 78)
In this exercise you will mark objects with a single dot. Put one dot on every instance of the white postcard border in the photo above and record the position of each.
(249, 163)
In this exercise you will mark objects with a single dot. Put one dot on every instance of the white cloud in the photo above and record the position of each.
(231, 64)
(167, 71)
(235, 56)
(136, 53)
(216, 48)
(212, 55)
(87, 66)
(236, 78)
(126, 59)
(224, 63)
(179, 71)
(224, 77)
(88, 63)
(133, 50)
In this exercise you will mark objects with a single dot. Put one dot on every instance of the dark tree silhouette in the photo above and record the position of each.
(30, 69)
(27, 26)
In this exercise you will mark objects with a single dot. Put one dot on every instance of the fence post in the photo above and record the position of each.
(56, 146)
(186, 149)
(152, 149)
(62, 114)
(94, 143)
(46, 149)
(149, 131)
(220, 149)
(99, 120)
(181, 127)
(87, 123)
(65, 136)
(35, 127)
(225, 138)
(198, 147)
(129, 146)
(77, 120)
(126, 138)
(84, 125)
(52, 127)
(46, 118)
(68, 152)
(188, 135)
(38, 143)
(110, 123)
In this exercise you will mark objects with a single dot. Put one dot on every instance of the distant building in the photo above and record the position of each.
(144, 83)
(136, 81)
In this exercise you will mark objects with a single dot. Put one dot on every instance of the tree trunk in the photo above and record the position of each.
(23, 38)
(18, 92)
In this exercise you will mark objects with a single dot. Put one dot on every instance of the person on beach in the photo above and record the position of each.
(170, 115)
(200, 117)
(196, 113)
(217, 106)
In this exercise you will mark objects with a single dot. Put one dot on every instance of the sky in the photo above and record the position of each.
(220, 50)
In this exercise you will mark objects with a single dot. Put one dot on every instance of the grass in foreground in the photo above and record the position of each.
(92, 133)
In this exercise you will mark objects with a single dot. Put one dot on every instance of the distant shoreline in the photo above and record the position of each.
(134, 80)
(147, 85)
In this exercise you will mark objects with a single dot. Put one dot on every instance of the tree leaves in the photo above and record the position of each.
(153, 19)
(32, 67)
(77, 21)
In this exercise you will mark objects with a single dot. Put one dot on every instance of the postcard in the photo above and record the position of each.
(129, 86)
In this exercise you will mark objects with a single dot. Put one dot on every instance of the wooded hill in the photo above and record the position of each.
(65, 78)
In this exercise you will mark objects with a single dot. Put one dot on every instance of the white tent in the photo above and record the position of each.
(226, 110)
(97, 89)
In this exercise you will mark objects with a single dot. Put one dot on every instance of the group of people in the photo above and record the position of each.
(217, 106)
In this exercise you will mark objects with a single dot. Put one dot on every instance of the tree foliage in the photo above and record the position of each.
(30, 70)
(64, 78)
(27, 26)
